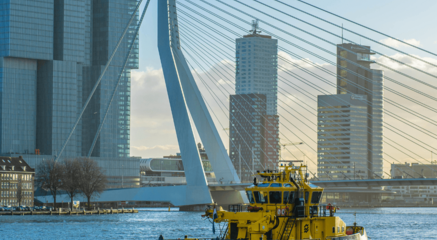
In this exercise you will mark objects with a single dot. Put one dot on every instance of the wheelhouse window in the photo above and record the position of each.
(250, 196)
(291, 197)
(276, 185)
(316, 196)
(307, 195)
(263, 184)
(275, 197)
(285, 198)
(260, 197)
(287, 185)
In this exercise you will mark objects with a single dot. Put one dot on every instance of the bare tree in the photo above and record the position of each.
(71, 178)
(48, 177)
(93, 180)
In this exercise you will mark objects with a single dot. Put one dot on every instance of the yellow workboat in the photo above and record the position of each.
(283, 206)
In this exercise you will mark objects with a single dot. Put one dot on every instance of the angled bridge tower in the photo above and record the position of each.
(185, 100)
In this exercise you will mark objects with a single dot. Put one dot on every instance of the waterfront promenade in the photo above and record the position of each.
(68, 212)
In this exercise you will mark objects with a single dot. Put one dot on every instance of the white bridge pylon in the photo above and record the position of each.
(186, 99)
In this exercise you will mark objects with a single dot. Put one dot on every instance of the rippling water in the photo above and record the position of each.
(381, 223)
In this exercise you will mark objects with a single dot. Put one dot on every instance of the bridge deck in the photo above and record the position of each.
(376, 182)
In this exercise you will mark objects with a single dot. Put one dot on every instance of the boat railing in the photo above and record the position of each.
(235, 208)
(322, 210)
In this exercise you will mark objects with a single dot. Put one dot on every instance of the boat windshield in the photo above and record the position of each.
(315, 198)
(250, 197)
(260, 197)
(275, 197)
(288, 197)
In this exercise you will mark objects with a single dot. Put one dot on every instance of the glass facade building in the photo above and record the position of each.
(356, 78)
(254, 123)
(377, 121)
(342, 137)
(257, 68)
(51, 54)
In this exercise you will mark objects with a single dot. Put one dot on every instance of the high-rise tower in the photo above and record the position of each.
(358, 80)
(254, 123)
(51, 54)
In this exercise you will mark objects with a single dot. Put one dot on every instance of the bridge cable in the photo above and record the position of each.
(368, 28)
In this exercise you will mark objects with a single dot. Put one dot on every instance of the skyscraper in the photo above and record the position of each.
(253, 115)
(257, 67)
(51, 54)
(355, 76)
(342, 136)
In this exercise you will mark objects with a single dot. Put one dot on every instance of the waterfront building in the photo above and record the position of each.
(51, 54)
(169, 170)
(16, 181)
(355, 77)
(254, 123)
(342, 136)
(414, 170)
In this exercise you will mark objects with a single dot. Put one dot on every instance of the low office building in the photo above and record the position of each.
(16, 181)
(414, 170)
(169, 170)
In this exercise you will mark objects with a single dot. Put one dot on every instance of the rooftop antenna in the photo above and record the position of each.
(342, 33)
(255, 26)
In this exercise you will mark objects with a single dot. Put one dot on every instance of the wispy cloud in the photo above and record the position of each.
(394, 43)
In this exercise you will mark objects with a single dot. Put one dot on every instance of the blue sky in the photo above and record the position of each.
(152, 131)
(403, 19)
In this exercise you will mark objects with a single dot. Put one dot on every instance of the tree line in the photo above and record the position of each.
(78, 176)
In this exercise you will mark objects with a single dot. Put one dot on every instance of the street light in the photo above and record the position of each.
(287, 144)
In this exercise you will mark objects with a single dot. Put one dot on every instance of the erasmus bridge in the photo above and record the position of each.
(196, 37)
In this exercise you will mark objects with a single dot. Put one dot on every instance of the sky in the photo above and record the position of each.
(152, 129)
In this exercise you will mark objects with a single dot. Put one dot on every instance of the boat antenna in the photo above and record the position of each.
(355, 223)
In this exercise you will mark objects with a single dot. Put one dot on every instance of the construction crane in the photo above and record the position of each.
(287, 144)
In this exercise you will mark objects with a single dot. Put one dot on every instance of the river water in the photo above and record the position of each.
(381, 223)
